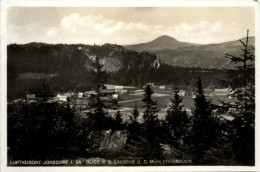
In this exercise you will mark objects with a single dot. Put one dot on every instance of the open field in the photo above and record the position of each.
(163, 100)
(128, 101)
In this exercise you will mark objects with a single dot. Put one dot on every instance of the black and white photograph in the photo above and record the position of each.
(130, 86)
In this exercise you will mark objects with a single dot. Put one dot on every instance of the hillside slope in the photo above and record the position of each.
(176, 53)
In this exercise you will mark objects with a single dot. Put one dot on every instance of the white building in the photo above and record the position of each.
(115, 96)
(162, 87)
(88, 93)
(30, 96)
(150, 83)
(120, 89)
(80, 95)
(117, 87)
(221, 92)
(62, 97)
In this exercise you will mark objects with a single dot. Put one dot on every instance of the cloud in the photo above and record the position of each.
(90, 28)
(99, 25)
(99, 29)
(207, 32)
(52, 32)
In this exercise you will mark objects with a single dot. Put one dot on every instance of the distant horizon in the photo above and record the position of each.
(126, 44)
(128, 25)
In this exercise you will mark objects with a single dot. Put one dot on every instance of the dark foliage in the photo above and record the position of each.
(241, 81)
(42, 131)
(205, 127)
(101, 119)
(151, 126)
(118, 121)
(177, 122)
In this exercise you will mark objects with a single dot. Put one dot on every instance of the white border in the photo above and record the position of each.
(119, 3)
(130, 3)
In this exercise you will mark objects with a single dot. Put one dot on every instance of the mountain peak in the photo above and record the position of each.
(163, 42)
(165, 38)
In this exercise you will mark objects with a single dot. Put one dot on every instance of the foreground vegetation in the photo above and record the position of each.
(46, 131)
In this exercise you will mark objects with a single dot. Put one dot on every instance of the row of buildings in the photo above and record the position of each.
(114, 92)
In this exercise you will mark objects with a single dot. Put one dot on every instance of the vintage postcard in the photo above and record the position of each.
(129, 86)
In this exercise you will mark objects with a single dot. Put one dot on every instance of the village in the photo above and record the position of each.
(124, 98)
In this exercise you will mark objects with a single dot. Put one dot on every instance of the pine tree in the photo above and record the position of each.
(134, 138)
(100, 78)
(241, 81)
(100, 119)
(151, 126)
(150, 116)
(135, 114)
(45, 89)
(204, 130)
(177, 121)
(134, 127)
(118, 121)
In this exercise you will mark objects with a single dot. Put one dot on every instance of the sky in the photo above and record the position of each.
(128, 25)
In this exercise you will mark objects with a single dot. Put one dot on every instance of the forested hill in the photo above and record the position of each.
(177, 53)
(59, 58)
(69, 67)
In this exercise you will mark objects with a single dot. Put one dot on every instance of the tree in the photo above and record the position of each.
(69, 127)
(99, 80)
(177, 121)
(204, 130)
(150, 116)
(151, 126)
(119, 121)
(134, 127)
(100, 117)
(45, 87)
(241, 82)
(135, 114)
(134, 139)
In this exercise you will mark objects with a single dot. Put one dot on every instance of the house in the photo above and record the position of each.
(80, 95)
(70, 94)
(181, 93)
(62, 97)
(115, 96)
(32, 101)
(162, 87)
(120, 89)
(109, 86)
(221, 92)
(117, 87)
(123, 91)
(19, 101)
(150, 83)
(89, 93)
(30, 96)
